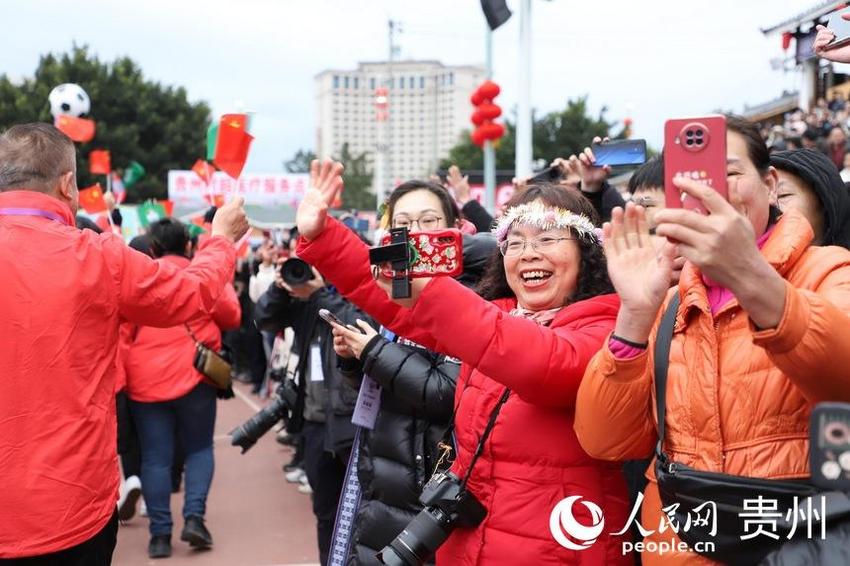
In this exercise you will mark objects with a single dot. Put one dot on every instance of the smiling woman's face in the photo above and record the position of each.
(543, 279)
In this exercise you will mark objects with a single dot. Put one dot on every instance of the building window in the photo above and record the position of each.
(356, 82)
(451, 78)
(345, 81)
(401, 82)
(372, 84)
(412, 82)
(336, 81)
(421, 82)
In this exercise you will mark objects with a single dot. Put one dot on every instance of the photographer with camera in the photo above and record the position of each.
(60, 327)
(170, 400)
(323, 403)
(736, 356)
(546, 308)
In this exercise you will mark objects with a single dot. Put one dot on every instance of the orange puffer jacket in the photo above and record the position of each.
(738, 399)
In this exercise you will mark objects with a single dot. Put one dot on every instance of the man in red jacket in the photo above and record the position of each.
(64, 294)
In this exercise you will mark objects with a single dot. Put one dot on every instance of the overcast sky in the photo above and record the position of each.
(651, 59)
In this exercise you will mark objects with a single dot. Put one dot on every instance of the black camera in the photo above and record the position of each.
(448, 505)
(296, 271)
(248, 433)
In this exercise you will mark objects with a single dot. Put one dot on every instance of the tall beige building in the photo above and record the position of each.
(427, 108)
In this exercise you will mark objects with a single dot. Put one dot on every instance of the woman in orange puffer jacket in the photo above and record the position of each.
(762, 334)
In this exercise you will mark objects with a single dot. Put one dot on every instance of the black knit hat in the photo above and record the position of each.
(818, 172)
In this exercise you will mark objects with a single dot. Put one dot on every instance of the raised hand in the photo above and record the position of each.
(584, 166)
(460, 184)
(639, 269)
(822, 41)
(325, 185)
(723, 246)
(230, 220)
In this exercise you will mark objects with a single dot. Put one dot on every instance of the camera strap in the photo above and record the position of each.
(487, 430)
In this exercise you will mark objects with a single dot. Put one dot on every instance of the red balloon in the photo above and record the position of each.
(476, 99)
(489, 90)
(477, 137)
(478, 117)
(490, 111)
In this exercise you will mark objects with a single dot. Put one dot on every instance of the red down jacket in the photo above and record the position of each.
(158, 361)
(532, 459)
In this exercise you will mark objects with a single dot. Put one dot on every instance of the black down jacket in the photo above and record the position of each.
(398, 456)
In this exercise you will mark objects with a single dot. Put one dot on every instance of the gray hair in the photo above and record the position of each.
(34, 156)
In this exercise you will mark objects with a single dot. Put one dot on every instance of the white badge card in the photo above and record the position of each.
(316, 364)
(368, 403)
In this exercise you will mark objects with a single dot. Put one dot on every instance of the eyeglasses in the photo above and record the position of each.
(425, 222)
(512, 248)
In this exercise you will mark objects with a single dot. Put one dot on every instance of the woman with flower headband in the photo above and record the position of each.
(547, 309)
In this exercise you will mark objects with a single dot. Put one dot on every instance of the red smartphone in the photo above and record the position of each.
(432, 253)
(694, 148)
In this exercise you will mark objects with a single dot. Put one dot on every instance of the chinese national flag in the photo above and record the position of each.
(168, 206)
(99, 162)
(78, 129)
(203, 170)
(216, 200)
(231, 151)
(91, 199)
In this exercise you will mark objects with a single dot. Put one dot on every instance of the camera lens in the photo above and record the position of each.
(296, 271)
(419, 540)
(689, 142)
(699, 133)
(689, 133)
(247, 434)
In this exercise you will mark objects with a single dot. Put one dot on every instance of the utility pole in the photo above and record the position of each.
(523, 121)
(489, 150)
(393, 28)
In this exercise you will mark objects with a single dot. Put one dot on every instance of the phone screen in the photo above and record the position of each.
(620, 152)
(841, 27)
(329, 317)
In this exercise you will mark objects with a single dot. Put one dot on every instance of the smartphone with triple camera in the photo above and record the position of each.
(829, 446)
(619, 152)
(694, 148)
(432, 253)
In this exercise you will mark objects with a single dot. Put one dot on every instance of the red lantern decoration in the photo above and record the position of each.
(489, 90)
(477, 137)
(490, 111)
(786, 40)
(485, 112)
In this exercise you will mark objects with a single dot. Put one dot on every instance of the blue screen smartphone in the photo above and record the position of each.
(619, 152)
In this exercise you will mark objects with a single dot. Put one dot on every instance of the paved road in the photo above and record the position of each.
(255, 516)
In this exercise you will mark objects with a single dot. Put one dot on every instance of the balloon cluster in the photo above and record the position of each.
(485, 113)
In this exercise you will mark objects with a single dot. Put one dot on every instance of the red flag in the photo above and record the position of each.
(231, 151)
(78, 129)
(168, 206)
(99, 162)
(216, 200)
(203, 170)
(91, 199)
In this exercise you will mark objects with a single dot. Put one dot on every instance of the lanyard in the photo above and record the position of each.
(20, 211)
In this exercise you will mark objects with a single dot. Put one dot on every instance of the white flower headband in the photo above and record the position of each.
(546, 218)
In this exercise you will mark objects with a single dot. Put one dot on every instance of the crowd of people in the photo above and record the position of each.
(595, 346)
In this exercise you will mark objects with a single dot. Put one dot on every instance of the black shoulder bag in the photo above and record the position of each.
(689, 488)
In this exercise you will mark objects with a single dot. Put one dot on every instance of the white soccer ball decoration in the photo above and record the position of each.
(69, 99)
